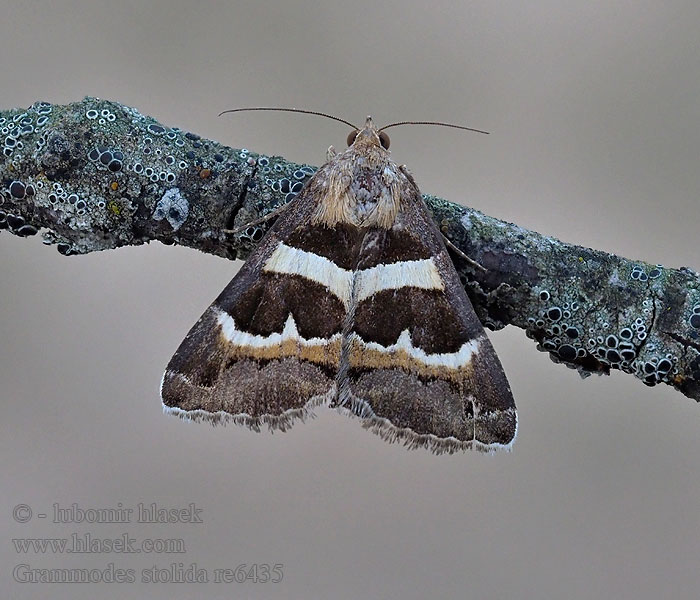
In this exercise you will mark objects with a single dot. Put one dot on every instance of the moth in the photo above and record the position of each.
(350, 300)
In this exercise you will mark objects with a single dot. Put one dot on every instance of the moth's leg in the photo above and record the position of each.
(271, 215)
(461, 254)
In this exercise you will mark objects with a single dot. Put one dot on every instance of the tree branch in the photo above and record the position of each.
(97, 175)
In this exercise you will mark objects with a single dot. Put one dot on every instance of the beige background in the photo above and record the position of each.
(595, 123)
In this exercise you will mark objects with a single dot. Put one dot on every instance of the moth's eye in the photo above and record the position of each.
(351, 137)
(384, 140)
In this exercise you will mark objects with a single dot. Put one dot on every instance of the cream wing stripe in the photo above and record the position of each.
(292, 261)
(408, 273)
(288, 260)
(449, 360)
(240, 338)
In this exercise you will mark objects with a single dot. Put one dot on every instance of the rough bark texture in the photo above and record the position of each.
(96, 175)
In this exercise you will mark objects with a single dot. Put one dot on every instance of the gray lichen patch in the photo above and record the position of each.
(174, 207)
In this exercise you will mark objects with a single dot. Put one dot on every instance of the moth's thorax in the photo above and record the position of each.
(361, 186)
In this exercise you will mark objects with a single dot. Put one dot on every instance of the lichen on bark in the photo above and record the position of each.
(95, 175)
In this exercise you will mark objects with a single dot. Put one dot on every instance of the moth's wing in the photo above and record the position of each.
(267, 350)
(420, 367)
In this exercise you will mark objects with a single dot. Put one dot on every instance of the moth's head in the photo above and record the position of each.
(368, 136)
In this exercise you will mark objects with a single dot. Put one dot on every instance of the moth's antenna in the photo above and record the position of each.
(295, 110)
(433, 123)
